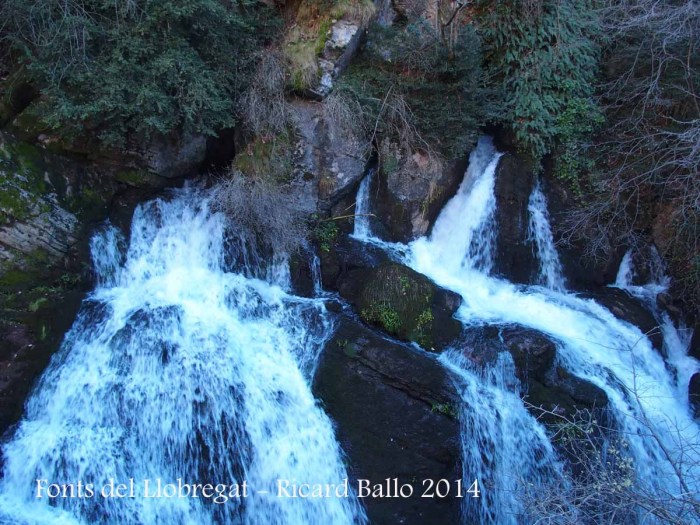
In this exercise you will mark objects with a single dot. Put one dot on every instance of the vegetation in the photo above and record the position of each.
(124, 68)
(543, 53)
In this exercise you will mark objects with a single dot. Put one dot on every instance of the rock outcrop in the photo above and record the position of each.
(515, 253)
(548, 389)
(395, 411)
(411, 191)
(404, 304)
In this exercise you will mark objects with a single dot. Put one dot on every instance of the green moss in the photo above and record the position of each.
(384, 315)
(445, 409)
(22, 183)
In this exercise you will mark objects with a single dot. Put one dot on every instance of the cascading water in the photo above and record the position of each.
(503, 446)
(676, 339)
(361, 229)
(550, 273)
(178, 367)
(592, 344)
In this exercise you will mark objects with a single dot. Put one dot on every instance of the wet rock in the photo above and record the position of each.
(631, 309)
(515, 255)
(533, 353)
(404, 303)
(694, 349)
(694, 394)
(346, 256)
(581, 271)
(412, 190)
(549, 390)
(395, 411)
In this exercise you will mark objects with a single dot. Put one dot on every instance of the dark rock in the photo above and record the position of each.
(631, 309)
(515, 259)
(694, 350)
(581, 271)
(583, 392)
(533, 353)
(403, 303)
(549, 391)
(410, 195)
(383, 397)
(346, 255)
(301, 274)
(694, 394)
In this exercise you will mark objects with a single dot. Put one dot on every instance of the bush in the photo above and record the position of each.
(262, 211)
(543, 55)
(134, 67)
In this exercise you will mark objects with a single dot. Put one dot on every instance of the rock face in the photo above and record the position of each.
(410, 192)
(329, 161)
(694, 394)
(404, 303)
(545, 385)
(581, 272)
(395, 411)
(515, 253)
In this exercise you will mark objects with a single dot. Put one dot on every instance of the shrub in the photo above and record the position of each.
(263, 211)
(543, 55)
(134, 67)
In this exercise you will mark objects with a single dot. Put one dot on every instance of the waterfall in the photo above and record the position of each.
(180, 367)
(362, 229)
(550, 273)
(464, 234)
(592, 344)
(503, 446)
(676, 338)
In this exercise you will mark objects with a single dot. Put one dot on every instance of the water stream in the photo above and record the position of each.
(180, 366)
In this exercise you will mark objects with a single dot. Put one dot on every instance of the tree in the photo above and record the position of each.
(134, 67)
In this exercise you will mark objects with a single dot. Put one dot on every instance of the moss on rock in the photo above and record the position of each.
(407, 305)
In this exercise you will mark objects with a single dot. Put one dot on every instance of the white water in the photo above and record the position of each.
(361, 228)
(539, 231)
(593, 344)
(676, 338)
(179, 367)
(503, 447)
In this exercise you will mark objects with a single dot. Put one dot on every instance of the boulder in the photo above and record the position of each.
(411, 191)
(395, 411)
(515, 253)
(549, 390)
(403, 303)
(631, 309)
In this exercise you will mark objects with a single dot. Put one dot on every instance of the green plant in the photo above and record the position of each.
(136, 68)
(326, 233)
(543, 55)
(384, 315)
(446, 409)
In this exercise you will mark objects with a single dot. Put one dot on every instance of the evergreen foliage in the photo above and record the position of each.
(135, 66)
(543, 54)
